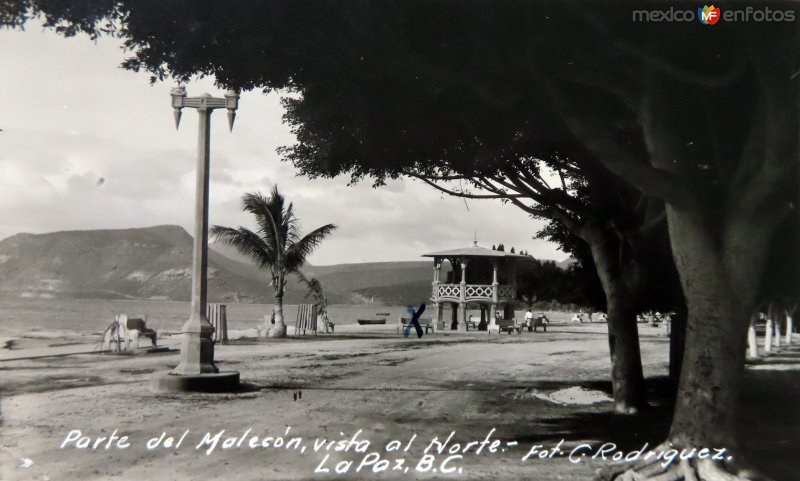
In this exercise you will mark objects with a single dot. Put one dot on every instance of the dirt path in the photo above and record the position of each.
(389, 387)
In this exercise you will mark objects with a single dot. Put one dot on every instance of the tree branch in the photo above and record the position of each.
(463, 194)
(596, 138)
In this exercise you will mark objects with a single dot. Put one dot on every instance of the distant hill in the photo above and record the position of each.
(400, 294)
(155, 263)
(354, 277)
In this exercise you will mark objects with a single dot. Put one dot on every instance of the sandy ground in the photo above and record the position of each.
(521, 391)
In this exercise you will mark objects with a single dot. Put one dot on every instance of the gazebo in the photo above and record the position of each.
(478, 276)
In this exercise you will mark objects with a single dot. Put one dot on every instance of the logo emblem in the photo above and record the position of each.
(708, 15)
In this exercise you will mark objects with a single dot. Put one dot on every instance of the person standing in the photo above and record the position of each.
(529, 319)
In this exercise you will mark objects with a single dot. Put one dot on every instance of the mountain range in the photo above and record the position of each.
(156, 263)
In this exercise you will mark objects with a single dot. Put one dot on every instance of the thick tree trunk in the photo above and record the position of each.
(719, 303)
(713, 364)
(623, 335)
(677, 343)
(717, 267)
(626, 359)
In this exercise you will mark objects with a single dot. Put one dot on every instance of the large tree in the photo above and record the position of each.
(702, 117)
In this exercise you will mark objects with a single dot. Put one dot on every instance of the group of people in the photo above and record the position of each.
(579, 317)
(529, 318)
(652, 317)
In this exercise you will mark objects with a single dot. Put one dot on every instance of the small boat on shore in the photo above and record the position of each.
(365, 322)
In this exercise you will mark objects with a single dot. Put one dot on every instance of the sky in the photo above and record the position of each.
(88, 145)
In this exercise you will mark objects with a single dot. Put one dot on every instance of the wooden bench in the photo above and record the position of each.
(405, 322)
(507, 325)
(537, 322)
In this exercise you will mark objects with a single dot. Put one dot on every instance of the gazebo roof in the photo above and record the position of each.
(472, 251)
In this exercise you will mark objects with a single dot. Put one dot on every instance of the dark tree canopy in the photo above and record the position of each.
(702, 118)
(387, 88)
(376, 78)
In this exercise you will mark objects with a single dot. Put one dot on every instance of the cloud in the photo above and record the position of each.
(87, 145)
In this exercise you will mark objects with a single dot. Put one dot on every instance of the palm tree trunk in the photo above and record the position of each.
(280, 327)
(279, 330)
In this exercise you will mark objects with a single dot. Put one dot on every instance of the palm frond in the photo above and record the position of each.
(259, 206)
(276, 205)
(314, 287)
(246, 242)
(292, 225)
(297, 253)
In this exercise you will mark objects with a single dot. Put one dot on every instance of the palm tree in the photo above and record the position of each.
(315, 291)
(276, 245)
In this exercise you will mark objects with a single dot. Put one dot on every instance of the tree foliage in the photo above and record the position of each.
(544, 281)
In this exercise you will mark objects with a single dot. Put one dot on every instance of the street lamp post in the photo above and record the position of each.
(196, 370)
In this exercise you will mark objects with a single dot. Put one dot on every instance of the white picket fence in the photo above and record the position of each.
(772, 337)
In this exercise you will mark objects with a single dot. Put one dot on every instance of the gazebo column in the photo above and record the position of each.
(462, 303)
(508, 308)
(495, 295)
(437, 308)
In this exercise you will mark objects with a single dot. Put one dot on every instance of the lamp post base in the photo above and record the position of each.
(227, 381)
(197, 354)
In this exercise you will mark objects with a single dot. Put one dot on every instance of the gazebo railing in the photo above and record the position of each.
(506, 292)
(472, 292)
(447, 291)
(477, 291)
